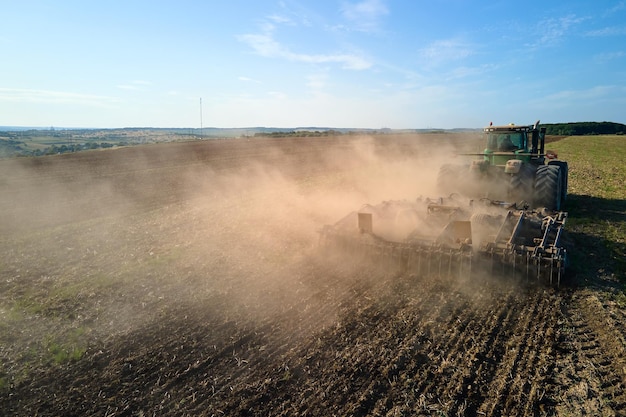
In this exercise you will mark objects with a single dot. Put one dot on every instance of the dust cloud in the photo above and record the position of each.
(111, 240)
(257, 226)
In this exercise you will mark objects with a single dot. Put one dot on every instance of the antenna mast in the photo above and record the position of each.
(201, 118)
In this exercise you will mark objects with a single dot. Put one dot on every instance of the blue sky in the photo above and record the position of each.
(345, 63)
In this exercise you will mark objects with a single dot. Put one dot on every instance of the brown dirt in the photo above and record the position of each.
(185, 279)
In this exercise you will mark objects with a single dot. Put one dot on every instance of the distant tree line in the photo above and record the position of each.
(11, 148)
(57, 149)
(585, 128)
(298, 133)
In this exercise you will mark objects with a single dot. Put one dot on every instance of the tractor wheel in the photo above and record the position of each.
(522, 184)
(450, 178)
(564, 175)
(548, 183)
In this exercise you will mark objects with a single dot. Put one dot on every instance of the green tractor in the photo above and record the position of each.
(514, 167)
(501, 213)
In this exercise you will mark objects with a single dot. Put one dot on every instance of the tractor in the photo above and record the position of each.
(501, 212)
(514, 167)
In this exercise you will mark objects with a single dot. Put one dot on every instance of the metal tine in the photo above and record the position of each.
(551, 270)
(419, 261)
(538, 268)
(407, 258)
(439, 253)
(470, 265)
(471, 256)
(514, 262)
(418, 256)
(464, 259)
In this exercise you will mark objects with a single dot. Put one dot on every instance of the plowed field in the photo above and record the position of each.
(186, 279)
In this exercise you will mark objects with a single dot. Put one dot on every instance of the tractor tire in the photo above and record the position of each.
(450, 178)
(548, 183)
(521, 185)
(564, 175)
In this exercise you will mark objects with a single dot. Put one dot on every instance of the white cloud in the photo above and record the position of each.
(317, 82)
(248, 79)
(607, 31)
(48, 96)
(464, 72)
(609, 56)
(265, 45)
(365, 15)
(280, 19)
(347, 61)
(593, 93)
(278, 95)
(134, 85)
(426, 106)
(617, 8)
(446, 50)
(553, 30)
(604, 102)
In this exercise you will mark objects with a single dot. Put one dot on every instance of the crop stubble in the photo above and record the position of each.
(187, 278)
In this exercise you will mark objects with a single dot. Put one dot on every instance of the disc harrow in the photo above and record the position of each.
(455, 238)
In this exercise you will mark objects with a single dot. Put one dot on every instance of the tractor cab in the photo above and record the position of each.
(506, 141)
(509, 142)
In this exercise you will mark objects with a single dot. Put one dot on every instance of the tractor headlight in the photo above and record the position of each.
(512, 166)
(477, 166)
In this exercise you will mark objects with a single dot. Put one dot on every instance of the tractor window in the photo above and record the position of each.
(506, 142)
(513, 141)
(519, 140)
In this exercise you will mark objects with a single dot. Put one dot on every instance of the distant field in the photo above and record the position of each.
(598, 164)
(597, 203)
(38, 142)
(52, 142)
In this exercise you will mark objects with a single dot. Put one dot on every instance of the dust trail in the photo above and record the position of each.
(107, 241)
(269, 216)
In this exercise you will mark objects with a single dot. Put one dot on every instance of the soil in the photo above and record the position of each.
(185, 279)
